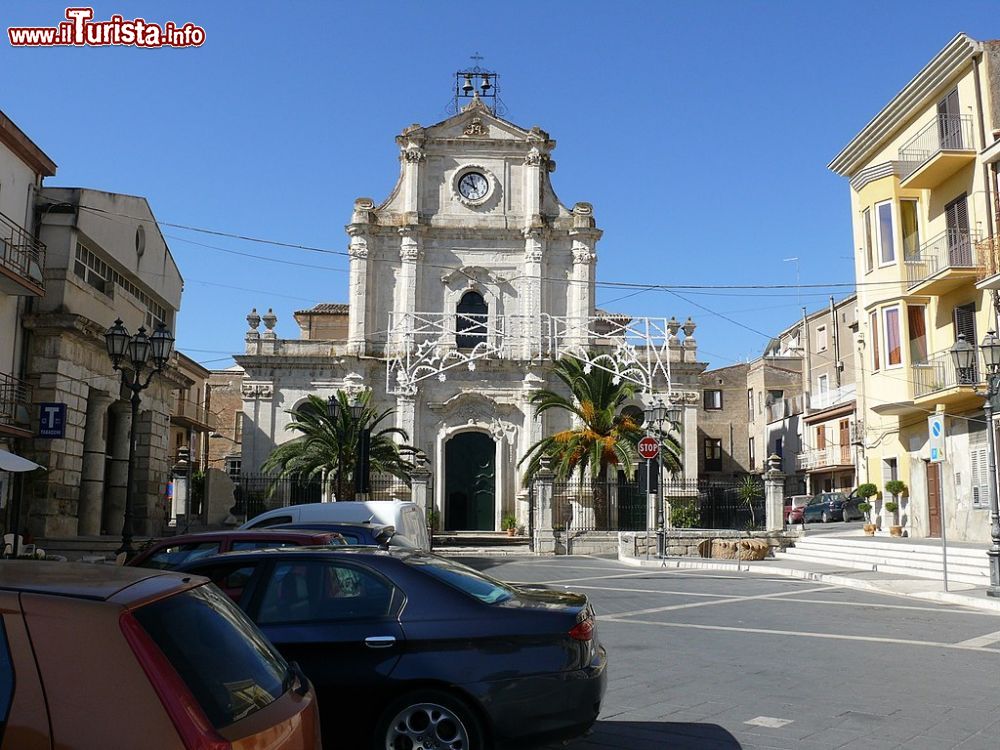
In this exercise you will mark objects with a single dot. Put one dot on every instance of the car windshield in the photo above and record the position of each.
(221, 656)
(463, 578)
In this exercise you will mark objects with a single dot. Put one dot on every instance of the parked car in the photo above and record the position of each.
(167, 554)
(832, 506)
(793, 507)
(409, 649)
(406, 516)
(100, 656)
(363, 534)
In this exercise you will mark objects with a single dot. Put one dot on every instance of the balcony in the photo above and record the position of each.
(937, 382)
(785, 407)
(15, 406)
(988, 262)
(22, 258)
(821, 459)
(937, 151)
(188, 414)
(943, 263)
(826, 399)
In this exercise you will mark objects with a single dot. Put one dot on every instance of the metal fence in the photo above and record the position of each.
(587, 505)
(256, 493)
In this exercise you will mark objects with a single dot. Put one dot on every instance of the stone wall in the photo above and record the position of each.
(692, 542)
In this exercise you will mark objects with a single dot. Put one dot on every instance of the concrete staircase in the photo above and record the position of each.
(903, 558)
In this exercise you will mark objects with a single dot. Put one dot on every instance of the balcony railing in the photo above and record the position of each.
(785, 407)
(939, 374)
(988, 257)
(21, 253)
(943, 133)
(953, 248)
(826, 399)
(15, 400)
(818, 458)
(192, 412)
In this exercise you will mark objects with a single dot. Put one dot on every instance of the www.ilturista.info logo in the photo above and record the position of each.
(80, 30)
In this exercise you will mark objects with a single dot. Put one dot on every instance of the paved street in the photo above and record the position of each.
(709, 660)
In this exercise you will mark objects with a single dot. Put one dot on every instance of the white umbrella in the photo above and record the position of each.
(12, 462)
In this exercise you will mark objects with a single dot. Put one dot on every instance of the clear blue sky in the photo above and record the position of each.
(700, 131)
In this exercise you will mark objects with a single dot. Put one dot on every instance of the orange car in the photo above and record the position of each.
(98, 656)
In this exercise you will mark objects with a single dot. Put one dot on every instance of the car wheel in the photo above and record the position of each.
(429, 719)
(826, 517)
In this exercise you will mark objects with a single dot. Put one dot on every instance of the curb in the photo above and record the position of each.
(980, 602)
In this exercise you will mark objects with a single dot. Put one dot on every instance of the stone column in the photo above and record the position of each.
(531, 306)
(774, 494)
(420, 486)
(94, 447)
(580, 288)
(405, 297)
(406, 417)
(357, 291)
(178, 512)
(113, 515)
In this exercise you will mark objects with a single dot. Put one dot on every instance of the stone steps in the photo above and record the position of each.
(965, 565)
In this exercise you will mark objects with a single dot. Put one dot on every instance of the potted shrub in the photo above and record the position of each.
(509, 524)
(866, 491)
(895, 488)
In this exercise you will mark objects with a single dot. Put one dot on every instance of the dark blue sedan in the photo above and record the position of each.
(409, 650)
(832, 506)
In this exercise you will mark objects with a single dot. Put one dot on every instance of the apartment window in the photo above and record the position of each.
(234, 467)
(886, 248)
(713, 454)
(908, 226)
(238, 427)
(821, 438)
(874, 343)
(750, 404)
(752, 455)
(916, 321)
(760, 402)
(821, 339)
(713, 399)
(893, 350)
(868, 249)
(93, 270)
(778, 448)
(823, 384)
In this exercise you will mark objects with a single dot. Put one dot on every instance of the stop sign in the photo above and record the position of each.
(649, 447)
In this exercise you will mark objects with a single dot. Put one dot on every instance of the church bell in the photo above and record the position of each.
(467, 86)
(486, 84)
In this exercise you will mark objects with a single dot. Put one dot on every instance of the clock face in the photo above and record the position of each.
(473, 186)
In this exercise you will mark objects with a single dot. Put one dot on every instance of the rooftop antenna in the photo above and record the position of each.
(798, 288)
(477, 82)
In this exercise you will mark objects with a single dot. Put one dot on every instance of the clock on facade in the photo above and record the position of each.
(473, 186)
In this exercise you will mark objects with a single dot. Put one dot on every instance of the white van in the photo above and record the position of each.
(407, 517)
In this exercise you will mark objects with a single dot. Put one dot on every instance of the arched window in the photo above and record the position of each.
(470, 320)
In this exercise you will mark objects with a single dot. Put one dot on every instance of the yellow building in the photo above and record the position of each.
(923, 176)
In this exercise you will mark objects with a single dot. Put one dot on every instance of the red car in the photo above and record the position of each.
(794, 507)
(168, 554)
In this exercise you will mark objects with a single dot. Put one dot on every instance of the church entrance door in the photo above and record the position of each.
(470, 482)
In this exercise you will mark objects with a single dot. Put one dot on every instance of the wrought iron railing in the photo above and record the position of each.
(825, 399)
(818, 458)
(942, 133)
(187, 409)
(952, 248)
(939, 373)
(988, 256)
(20, 252)
(15, 397)
(256, 493)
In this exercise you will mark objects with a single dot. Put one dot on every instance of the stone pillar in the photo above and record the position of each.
(406, 417)
(113, 515)
(151, 470)
(774, 494)
(94, 446)
(405, 297)
(579, 294)
(545, 540)
(178, 511)
(531, 306)
(420, 490)
(689, 435)
(357, 291)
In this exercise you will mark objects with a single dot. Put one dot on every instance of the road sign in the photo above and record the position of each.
(51, 420)
(649, 448)
(935, 427)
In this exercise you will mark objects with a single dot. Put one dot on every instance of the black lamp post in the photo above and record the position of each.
(362, 466)
(132, 355)
(658, 413)
(963, 355)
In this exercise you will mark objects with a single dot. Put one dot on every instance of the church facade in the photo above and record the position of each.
(465, 285)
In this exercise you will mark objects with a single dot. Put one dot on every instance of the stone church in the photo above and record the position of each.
(466, 283)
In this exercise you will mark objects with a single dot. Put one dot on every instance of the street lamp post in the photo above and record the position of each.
(659, 413)
(131, 355)
(362, 464)
(964, 357)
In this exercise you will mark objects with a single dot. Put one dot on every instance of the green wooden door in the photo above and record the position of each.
(470, 482)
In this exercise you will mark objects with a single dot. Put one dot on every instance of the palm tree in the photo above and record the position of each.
(329, 444)
(606, 436)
